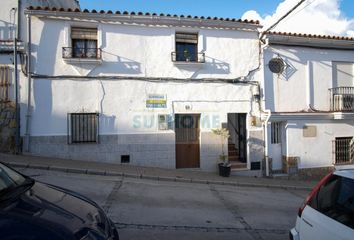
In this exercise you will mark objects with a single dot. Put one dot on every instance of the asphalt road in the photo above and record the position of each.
(148, 209)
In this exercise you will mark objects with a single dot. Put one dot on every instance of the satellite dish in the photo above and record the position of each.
(276, 65)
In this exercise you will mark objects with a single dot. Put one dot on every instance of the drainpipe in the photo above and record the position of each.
(266, 141)
(308, 84)
(267, 111)
(18, 19)
(17, 109)
(28, 115)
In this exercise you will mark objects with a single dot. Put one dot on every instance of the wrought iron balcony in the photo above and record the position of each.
(85, 53)
(7, 46)
(342, 99)
(191, 58)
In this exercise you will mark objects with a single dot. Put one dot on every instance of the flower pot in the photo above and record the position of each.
(224, 171)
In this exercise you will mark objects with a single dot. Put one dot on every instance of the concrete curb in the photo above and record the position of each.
(156, 178)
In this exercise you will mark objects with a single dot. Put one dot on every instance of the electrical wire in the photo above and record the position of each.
(295, 13)
(282, 18)
(148, 79)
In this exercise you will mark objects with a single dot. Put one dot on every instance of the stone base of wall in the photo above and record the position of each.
(290, 165)
(156, 150)
(314, 173)
(7, 127)
(153, 150)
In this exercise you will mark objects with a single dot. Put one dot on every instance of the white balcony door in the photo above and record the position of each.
(276, 148)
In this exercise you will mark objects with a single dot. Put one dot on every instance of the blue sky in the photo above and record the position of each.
(219, 8)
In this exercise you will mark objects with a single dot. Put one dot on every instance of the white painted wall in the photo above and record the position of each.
(316, 151)
(306, 80)
(312, 151)
(136, 51)
(122, 103)
(145, 51)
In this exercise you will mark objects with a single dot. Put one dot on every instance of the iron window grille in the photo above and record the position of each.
(5, 83)
(86, 53)
(83, 128)
(275, 132)
(199, 59)
(342, 150)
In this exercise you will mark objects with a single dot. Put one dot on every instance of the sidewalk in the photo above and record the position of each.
(177, 175)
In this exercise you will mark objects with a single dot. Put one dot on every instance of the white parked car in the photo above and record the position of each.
(328, 212)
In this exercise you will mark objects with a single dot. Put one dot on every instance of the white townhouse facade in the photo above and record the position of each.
(147, 89)
(309, 90)
(141, 88)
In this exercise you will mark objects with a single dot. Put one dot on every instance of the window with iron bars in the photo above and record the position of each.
(5, 82)
(342, 150)
(187, 47)
(275, 132)
(84, 43)
(83, 128)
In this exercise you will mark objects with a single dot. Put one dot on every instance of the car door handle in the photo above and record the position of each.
(307, 222)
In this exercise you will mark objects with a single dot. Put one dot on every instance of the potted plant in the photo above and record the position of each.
(186, 55)
(224, 164)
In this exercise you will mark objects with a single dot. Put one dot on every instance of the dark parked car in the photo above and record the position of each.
(32, 210)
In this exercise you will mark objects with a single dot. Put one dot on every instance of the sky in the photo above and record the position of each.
(329, 17)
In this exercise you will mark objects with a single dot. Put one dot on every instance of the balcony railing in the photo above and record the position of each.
(7, 46)
(198, 58)
(85, 53)
(342, 99)
(343, 150)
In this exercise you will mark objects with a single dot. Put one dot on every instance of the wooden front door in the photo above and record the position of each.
(187, 140)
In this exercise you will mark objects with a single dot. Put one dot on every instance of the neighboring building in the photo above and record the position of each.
(143, 88)
(309, 89)
(13, 26)
(12, 12)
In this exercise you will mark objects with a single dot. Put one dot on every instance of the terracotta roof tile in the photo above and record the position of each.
(305, 35)
(141, 14)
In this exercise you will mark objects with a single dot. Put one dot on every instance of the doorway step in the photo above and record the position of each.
(234, 158)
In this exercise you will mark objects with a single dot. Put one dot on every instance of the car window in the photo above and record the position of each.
(345, 203)
(9, 178)
(327, 194)
(335, 199)
(323, 198)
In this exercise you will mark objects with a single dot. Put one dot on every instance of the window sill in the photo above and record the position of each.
(185, 63)
(82, 60)
(83, 143)
(342, 115)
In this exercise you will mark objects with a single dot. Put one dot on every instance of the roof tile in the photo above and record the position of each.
(308, 35)
(140, 14)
